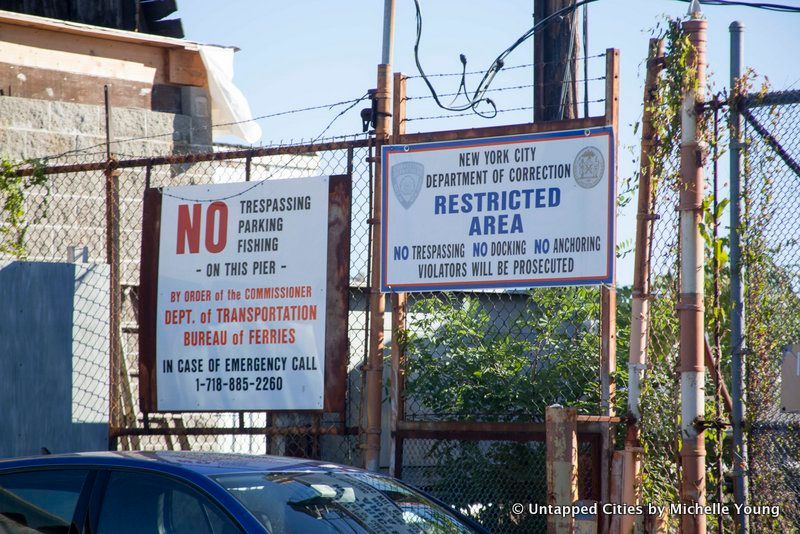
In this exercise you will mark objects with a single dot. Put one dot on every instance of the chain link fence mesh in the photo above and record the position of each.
(479, 356)
(66, 221)
(771, 244)
(485, 478)
(498, 356)
(502, 356)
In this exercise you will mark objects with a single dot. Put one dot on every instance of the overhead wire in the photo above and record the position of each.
(781, 8)
(479, 95)
(505, 68)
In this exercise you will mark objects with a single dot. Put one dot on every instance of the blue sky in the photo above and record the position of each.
(310, 52)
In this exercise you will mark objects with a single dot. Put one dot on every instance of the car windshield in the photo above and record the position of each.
(338, 501)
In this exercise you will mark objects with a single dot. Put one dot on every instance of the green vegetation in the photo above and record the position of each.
(14, 215)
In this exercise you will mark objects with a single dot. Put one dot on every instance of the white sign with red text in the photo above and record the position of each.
(242, 276)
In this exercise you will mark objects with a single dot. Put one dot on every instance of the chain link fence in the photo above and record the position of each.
(464, 473)
(542, 347)
(771, 254)
(771, 257)
(484, 357)
(66, 220)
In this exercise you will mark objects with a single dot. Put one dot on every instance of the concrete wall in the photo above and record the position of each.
(53, 358)
(70, 212)
(32, 128)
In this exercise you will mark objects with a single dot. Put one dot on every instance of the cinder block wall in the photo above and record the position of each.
(31, 129)
(73, 214)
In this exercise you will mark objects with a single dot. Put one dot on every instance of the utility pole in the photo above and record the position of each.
(738, 347)
(377, 303)
(555, 49)
(690, 304)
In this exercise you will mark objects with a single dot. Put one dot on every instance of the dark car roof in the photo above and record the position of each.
(203, 463)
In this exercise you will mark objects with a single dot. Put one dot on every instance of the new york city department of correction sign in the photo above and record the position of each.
(502, 212)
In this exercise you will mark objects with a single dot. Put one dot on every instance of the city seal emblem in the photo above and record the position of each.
(589, 167)
(407, 181)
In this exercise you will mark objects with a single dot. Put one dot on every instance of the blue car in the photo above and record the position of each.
(207, 493)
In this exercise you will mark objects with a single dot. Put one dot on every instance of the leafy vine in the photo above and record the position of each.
(15, 216)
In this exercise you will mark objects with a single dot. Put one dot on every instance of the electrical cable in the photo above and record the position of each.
(781, 8)
(479, 97)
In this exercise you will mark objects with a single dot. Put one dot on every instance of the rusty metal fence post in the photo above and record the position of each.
(377, 301)
(112, 174)
(738, 341)
(690, 306)
(562, 465)
(399, 301)
(608, 302)
(640, 292)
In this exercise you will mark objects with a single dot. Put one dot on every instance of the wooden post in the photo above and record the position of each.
(561, 437)
(377, 302)
(608, 303)
(555, 51)
(398, 307)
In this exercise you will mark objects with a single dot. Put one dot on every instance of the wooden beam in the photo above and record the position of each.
(80, 54)
(509, 431)
(46, 84)
(143, 62)
(186, 68)
(77, 28)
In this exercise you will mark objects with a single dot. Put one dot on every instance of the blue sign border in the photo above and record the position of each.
(388, 150)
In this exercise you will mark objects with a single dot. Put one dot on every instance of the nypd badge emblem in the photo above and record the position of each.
(407, 181)
(589, 167)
